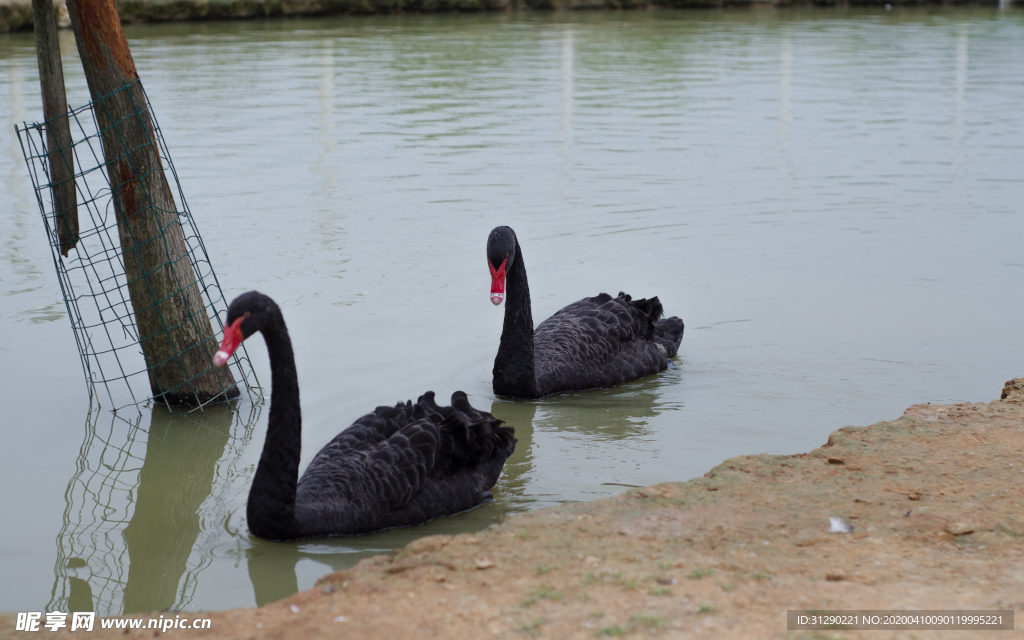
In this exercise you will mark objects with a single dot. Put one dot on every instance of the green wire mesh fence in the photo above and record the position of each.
(97, 291)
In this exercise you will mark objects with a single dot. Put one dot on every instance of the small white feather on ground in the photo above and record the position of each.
(838, 525)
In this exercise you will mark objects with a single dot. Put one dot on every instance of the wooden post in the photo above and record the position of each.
(174, 328)
(58, 129)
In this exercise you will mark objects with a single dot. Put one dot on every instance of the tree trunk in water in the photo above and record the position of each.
(174, 328)
(58, 129)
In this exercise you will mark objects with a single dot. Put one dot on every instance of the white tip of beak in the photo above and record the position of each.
(220, 358)
(496, 298)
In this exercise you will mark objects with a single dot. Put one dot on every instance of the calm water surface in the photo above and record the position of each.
(830, 199)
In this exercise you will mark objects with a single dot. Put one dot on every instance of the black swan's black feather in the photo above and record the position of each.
(596, 342)
(397, 466)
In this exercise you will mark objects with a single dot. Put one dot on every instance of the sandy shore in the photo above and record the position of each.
(934, 499)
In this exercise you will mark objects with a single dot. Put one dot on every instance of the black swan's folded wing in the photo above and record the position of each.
(387, 457)
(599, 342)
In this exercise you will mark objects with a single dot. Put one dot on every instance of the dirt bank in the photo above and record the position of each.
(934, 498)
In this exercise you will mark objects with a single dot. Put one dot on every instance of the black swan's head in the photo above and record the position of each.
(501, 253)
(248, 313)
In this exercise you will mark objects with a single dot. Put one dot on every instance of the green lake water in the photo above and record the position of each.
(831, 200)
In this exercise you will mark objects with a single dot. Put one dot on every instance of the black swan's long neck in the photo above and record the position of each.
(271, 508)
(514, 373)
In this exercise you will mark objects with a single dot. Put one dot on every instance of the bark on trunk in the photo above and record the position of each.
(174, 328)
(58, 129)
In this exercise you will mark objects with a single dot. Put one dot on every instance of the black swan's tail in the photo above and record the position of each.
(468, 437)
(650, 308)
(668, 334)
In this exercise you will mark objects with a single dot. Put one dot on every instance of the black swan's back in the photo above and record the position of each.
(603, 341)
(403, 465)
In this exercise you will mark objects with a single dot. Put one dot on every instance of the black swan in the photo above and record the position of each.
(594, 343)
(395, 467)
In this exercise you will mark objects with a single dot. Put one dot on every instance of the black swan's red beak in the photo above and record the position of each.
(232, 338)
(497, 281)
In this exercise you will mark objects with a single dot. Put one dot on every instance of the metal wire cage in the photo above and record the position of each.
(92, 276)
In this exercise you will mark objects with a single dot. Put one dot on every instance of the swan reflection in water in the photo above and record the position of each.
(133, 534)
(609, 416)
(617, 413)
(614, 426)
